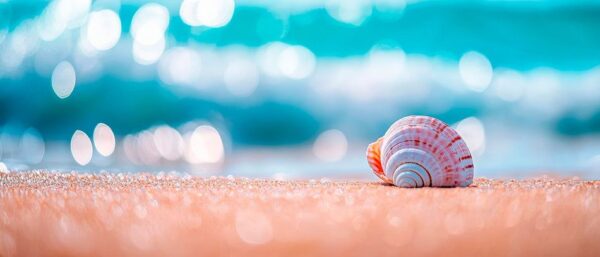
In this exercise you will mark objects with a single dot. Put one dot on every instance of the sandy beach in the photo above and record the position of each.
(69, 214)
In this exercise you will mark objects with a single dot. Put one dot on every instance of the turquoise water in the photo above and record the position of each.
(522, 78)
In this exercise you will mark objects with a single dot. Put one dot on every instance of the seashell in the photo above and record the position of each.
(421, 151)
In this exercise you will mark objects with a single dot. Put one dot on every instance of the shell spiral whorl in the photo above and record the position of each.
(421, 151)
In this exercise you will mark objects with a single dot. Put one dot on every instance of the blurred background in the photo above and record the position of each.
(295, 89)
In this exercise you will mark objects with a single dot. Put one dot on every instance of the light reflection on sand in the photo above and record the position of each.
(59, 214)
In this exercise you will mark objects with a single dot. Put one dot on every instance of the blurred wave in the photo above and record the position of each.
(289, 86)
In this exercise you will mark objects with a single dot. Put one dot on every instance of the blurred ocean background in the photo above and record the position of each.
(295, 89)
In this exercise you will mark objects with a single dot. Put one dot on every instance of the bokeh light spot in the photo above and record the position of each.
(169, 142)
(296, 62)
(149, 24)
(210, 13)
(81, 148)
(509, 86)
(331, 145)
(148, 54)
(104, 139)
(473, 132)
(476, 71)
(3, 168)
(205, 146)
(103, 29)
(179, 66)
(63, 79)
(353, 12)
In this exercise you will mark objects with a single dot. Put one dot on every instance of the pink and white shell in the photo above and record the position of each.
(421, 151)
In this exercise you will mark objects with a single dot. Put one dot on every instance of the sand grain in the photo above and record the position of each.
(56, 214)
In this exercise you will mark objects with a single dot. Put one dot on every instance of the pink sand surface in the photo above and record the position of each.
(56, 214)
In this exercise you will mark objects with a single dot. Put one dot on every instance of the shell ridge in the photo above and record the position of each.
(425, 169)
(422, 163)
(420, 158)
(403, 141)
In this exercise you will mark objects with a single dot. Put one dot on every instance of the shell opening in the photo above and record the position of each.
(374, 159)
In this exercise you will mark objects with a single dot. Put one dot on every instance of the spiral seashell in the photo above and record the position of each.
(421, 151)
